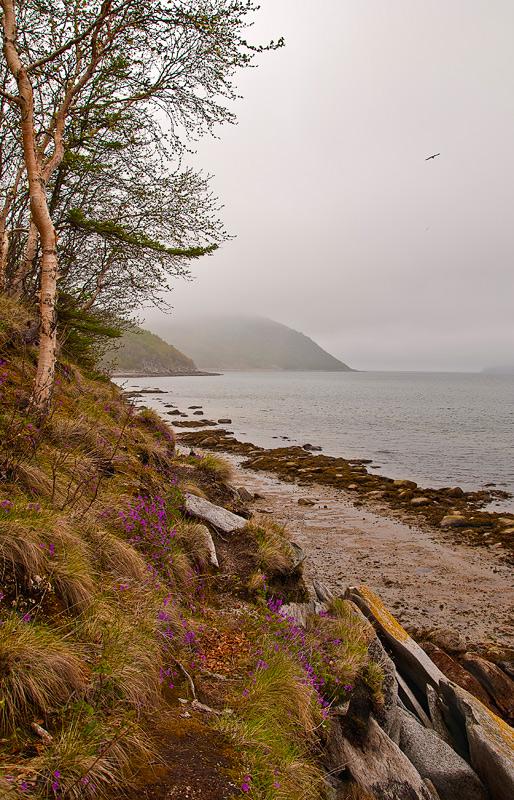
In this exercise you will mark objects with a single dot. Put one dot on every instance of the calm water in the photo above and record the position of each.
(438, 429)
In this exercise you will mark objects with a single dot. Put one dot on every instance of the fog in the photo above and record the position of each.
(343, 230)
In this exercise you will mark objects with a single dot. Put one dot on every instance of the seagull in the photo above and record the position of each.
(434, 156)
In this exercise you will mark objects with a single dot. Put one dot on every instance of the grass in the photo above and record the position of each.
(220, 469)
(39, 671)
(277, 716)
(107, 591)
(275, 554)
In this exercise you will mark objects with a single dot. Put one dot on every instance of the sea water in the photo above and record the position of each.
(439, 429)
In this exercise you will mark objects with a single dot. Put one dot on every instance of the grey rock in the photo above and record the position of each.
(436, 715)
(431, 788)
(375, 763)
(448, 639)
(300, 612)
(490, 739)
(410, 659)
(453, 521)
(494, 680)
(244, 494)
(323, 593)
(207, 539)
(434, 759)
(298, 555)
(387, 715)
(219, 518)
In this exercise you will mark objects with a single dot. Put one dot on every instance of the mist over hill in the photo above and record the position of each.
(247, 343)
(504, 369)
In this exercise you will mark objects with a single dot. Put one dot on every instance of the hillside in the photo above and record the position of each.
(248, 343)
(143, 352)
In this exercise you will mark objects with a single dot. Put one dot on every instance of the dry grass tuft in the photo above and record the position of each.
(39, 671)
(33, 479)
(117, 556)
(274, 551)
(220, 469)
(20, 549)
(128, 656)
(191, 538)
(73, 582)
(274, 724)
(92, 756)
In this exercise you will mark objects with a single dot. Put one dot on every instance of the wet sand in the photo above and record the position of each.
(424, 578)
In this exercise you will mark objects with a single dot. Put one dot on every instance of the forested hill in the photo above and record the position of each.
(248, 343)
(143, 352)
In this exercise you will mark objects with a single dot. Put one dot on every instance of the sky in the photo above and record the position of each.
(343, 230)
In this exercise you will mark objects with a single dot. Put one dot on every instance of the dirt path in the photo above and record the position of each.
(423, 577)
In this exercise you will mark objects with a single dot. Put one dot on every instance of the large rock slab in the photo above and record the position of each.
(386, 714)
(433, 758)
(376, 763)
(454, 672)
(220, 518)
(205, 534)
(490, 740)
(497, 684)
(410, 658)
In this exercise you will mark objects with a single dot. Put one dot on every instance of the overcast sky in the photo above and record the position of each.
(343, 230)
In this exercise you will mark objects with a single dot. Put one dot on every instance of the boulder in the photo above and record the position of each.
(434, 759)
(403, 484)
(448, 639)
(220, 518)
(435, 706)
(298, 555)
(205, 535)
(323, 593)
(490, 740)
(375, 762)
(453, 521)
(244, 494)
(459, 675)
(497, 684)
(410, 658)
(386, 714)
(300, 612)
(455, 491)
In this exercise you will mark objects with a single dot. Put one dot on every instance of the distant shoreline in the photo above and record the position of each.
(190, 374)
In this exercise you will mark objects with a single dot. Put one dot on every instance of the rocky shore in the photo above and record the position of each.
(463, 514)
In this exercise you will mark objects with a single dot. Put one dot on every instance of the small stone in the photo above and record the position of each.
(455, 491)
(225, 421)
(405, 484)
(419, 501)
(304, 501)
(448, 639)
(198, 413)
(453, 521)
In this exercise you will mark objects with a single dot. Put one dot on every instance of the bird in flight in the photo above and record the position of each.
(434, 156)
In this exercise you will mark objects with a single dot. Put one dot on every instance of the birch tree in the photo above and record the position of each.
(172, 64)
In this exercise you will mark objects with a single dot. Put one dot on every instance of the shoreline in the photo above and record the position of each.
(190, 374)
(425, 577)
(450, 509)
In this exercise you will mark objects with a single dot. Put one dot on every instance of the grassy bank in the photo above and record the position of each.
(129, 664)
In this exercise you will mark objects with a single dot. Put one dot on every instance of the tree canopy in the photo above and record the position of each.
(98, 101)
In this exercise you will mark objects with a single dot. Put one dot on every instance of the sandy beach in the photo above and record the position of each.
(424, 577)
